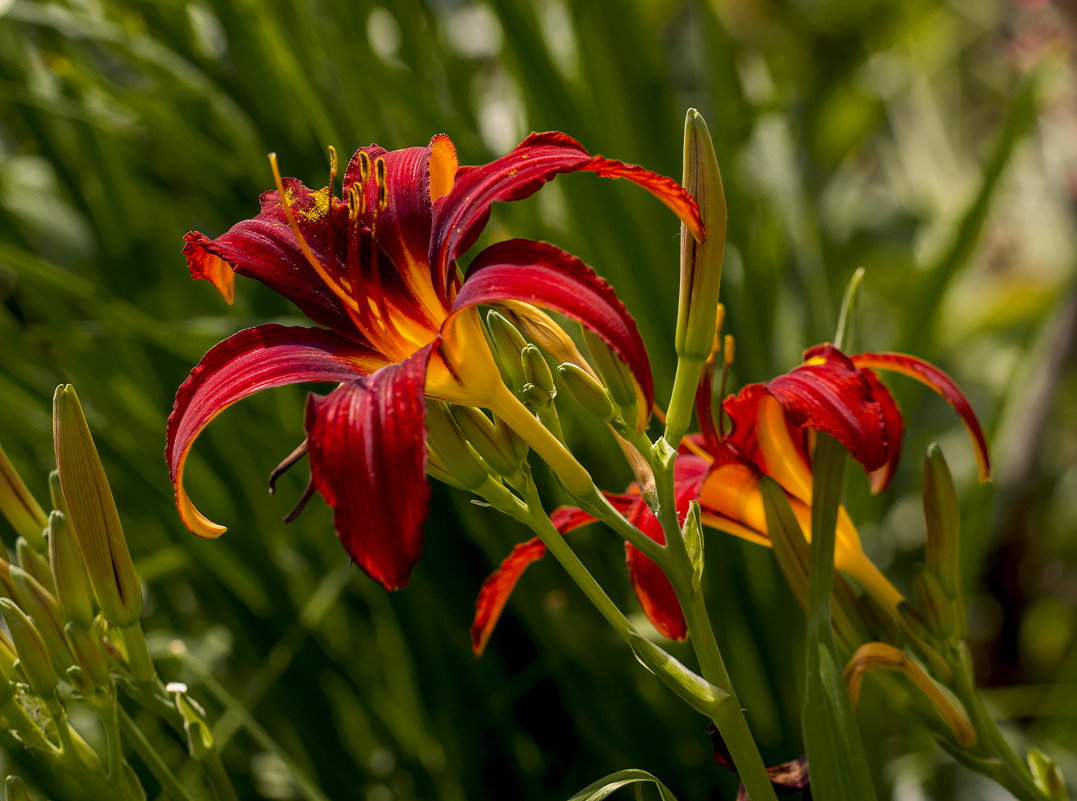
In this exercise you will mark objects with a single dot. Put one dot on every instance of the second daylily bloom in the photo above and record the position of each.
(769, 434)
(377, 268)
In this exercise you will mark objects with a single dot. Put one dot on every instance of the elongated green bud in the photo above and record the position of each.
(72, 584)
(534, 396)
(89, 654)
(508, 342)
(15, 789)
(34, 563)
(18, 505)
(39, 604)
(692, 534)
(938, 611)
(879, 621)
(943, 518)
(8, 671)
(701, 273)
(452, 453)
(56, 493)
(92, 512)
(587, 392)
(614, 374)
(690, 687)
(488, 440)
(31, 649)
(535, 369)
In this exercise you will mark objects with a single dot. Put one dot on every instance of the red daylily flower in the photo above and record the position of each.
(769, 434)
(377, 268)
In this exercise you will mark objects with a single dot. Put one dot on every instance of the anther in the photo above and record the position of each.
(379, 180)
(364, 166)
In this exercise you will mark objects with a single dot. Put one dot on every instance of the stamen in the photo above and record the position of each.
(319, 268)
(308, 493)
(329, 204)
(284, 466)
(379, 181)
(727, 361)
(364, 167)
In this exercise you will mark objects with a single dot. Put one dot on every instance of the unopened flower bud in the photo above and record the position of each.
(89, 653)
(534, 397)
(488, 440)
(92, 513)
(31, 649)
(508, 342)
(15, 789)
(879, 621)
(452, 454)
(615, 375)
(40, 605)
(701, 273)
(934, 607)
(943, 518)
(587, 392)
(72, 585)
(17, 504)
(34, 563)
(535, 369)
(56, 493)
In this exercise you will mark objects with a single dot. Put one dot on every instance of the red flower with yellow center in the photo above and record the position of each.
(770, 427)
(377, 267)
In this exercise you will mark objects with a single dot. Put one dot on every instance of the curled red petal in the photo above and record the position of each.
(252, 360)
(461, 215)
(940, 382)
(366, 441)
(205, 265)
(829, 394)
(894, 426)
(497, 588)
(543, 275)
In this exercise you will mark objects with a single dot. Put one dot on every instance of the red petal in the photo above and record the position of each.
(461, 215)
(204, 264)
(368, 460)
(827, 393)
(252, 360)
(543, 275)
(894, 426)
(936, 379)
(497, 588)
(653, 590)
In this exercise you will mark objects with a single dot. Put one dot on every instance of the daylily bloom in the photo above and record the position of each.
(377, 268)
(770, 428)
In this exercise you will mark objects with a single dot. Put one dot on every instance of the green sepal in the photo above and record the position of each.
(30, 647)
(690, 687)
(588, 393)
(92, 513)
(608, 785)
(72, 584)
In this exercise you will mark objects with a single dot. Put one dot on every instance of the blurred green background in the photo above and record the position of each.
(935, 144)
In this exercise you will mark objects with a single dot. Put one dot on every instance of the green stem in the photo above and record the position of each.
(217, 778)
(1016, 778)
(170, 785)
(595, 503)
(679, 412)
(729, 716)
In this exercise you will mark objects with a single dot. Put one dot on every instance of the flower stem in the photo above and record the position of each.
(728, 717)
(170, 785)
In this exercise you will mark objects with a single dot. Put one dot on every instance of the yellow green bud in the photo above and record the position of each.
(34, 563)
(692, 534)
(40, 605)
(534, 397)
(92, 513)
(18, 505)
(587, 392)
(943, 518)
(490, 441)
(56, 493)
(8, 657)
(89, 654)
(535, 369)
(701, 273)
(15, 789)
(452, 455)
(31, 649)
(614, 374)
(508, 342)
(72, 584)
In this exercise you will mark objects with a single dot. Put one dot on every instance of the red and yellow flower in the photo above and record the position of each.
(770, 434)
(377, 268)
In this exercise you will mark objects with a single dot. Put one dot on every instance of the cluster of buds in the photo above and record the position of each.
(71, 603)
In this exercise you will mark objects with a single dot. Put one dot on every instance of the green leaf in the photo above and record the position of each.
(835, 752)
(608, 785)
